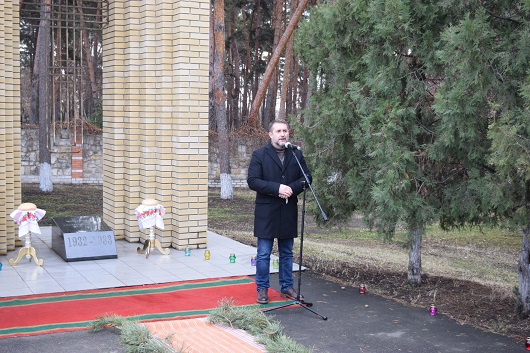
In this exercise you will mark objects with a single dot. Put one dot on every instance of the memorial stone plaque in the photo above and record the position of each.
(83, 238)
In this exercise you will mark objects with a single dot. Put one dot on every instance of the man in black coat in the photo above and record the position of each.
(277, 179)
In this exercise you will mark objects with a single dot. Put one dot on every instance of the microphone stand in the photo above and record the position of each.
(299, 301)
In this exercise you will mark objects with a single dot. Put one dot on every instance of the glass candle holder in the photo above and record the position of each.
(362, 289)
(187, 252)
(232, 258)
(207, 254)
(276, 263)
(433, 311)
(253, 261)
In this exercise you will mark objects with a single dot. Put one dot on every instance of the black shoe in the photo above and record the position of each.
(263, 296)
(291, 294)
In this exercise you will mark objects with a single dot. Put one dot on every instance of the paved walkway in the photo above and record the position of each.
(129, 269)
(197, 336)
(370, 324)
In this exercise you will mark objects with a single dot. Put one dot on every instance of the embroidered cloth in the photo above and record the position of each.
(149, 216)
(28, 221)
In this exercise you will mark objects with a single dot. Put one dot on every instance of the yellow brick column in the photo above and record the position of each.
(10, 150)
(155, 111)
(190, 122)
(115, 208)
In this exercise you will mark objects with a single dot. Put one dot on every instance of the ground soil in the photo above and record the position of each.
(467, 302)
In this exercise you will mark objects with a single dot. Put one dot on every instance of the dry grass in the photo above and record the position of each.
(486, 256)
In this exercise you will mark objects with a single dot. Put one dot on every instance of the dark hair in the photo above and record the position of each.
(278, 121)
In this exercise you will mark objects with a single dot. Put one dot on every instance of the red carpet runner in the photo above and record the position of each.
(58, 312)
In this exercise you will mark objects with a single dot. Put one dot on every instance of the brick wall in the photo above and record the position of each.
(90, 161)
(240, 153)
(71, 163)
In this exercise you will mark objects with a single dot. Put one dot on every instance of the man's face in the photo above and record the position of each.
(279, 135)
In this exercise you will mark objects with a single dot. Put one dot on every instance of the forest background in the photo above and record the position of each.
(412, 114)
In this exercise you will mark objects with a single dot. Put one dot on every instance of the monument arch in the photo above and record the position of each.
(155, 118)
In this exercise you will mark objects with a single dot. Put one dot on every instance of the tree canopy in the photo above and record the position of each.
(420, 112)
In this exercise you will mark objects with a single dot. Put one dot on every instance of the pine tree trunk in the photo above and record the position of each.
(271, 66)
(220, 99)
(34, 97)
(227, 191)
(269, 108)
(211, 108)
(414, 271)
(304, 92)
(292, 95)
(89, 62)
(253, 119)
(246, 83)
(272, 92)
(235, 60)
(43, 45)
(524, 275)
(287, 71)
(57, 72)
(96, 51)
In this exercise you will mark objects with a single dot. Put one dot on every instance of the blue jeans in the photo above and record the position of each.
(263, 259)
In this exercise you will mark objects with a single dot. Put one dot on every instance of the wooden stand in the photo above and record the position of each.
(152, 242)
(28, 251)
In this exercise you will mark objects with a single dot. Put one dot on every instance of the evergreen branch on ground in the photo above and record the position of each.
(134, 336)
(267, 332)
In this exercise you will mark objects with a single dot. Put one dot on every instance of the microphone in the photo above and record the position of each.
(291, 146)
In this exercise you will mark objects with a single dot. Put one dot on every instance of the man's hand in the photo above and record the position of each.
(285, 191)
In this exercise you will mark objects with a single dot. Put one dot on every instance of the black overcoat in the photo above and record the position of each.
(273, 217)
